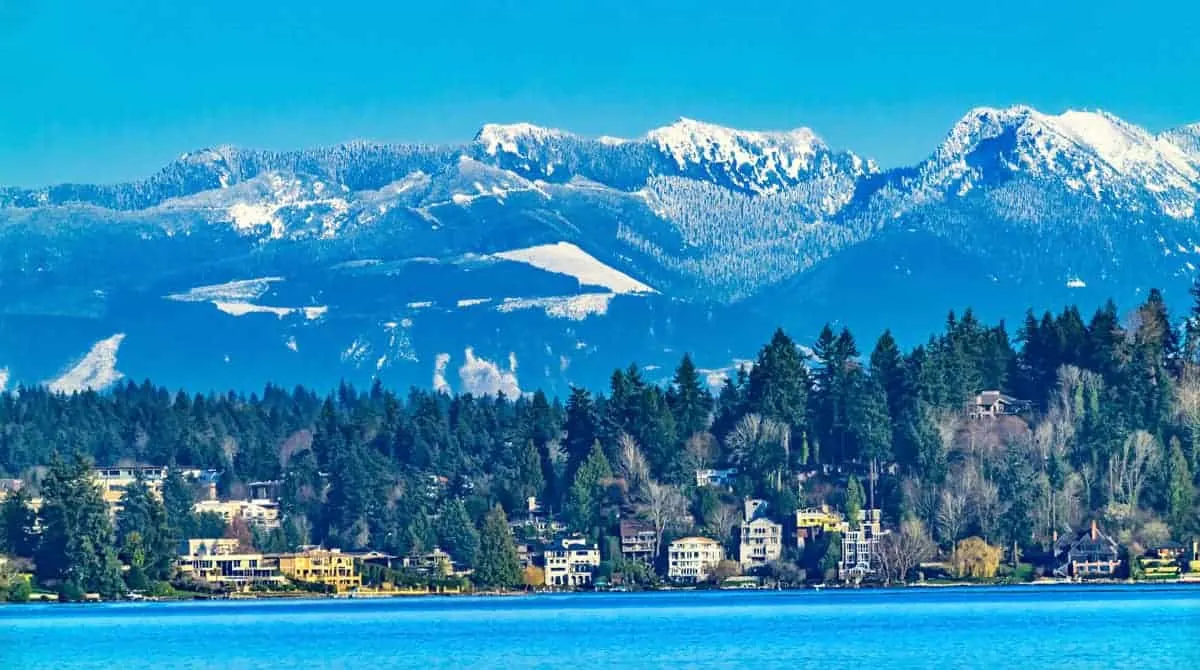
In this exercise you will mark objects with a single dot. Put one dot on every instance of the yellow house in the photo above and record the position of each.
(813, 522)
(322, 566)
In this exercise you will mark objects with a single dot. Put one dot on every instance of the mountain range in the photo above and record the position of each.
(532, 257)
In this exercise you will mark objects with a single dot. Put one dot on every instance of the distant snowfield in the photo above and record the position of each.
(572, 307)
(97, 370)
(234, 291)
(568, 259)
(243, 308)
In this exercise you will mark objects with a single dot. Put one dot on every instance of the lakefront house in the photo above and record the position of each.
(638, 540)
(813, 522)
(860, 547)
(571, 561)
(218, 562)
(693, 559)
(1090, 554)
(329, 567)
(760, 540)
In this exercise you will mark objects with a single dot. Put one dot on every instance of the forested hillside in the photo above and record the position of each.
(1113, 434)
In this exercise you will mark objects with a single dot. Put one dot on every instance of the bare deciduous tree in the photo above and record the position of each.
(1129, 468)
(921, 498)
(985, 499)
(723, 520)
(953, 513)
(905, 549)
(634, 467)
(701, 450)
(664, 506)
(1187, 406)
(761, 444)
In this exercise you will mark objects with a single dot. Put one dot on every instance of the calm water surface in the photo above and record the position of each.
(1017, 627)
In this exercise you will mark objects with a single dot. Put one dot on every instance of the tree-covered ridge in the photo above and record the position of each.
(1114, 434)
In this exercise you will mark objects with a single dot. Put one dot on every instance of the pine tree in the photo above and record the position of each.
(581, 428)
(1181, 493)
(178, 504)
(689, 399)
(1191, 327)
(143, 516)
(17, 522)
(456, 532)
(526, 475)
(77, 537)
(833, 387)
(497, 566)
(585, 497)
(887, 368)
(779, 383)
(854, 501)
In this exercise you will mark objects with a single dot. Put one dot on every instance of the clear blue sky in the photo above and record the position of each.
(105, 90)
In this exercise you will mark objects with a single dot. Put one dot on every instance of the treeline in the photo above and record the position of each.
(1114, 435)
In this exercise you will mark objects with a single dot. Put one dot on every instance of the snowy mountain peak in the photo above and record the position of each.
(1187, 138)
(1090, 151)
(689, 135)
(221, 154)
(757, 160)
(510, 137)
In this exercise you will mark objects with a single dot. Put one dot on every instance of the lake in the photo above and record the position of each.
(1010, 627)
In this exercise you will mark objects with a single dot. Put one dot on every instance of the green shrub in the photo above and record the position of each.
(71, 592)
(19, 591)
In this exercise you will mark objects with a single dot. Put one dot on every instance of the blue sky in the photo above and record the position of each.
(100, 90)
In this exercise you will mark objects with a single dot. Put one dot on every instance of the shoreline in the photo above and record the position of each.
(51, 599)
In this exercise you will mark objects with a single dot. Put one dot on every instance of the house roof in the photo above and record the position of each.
(564, 544)
(992, 397)
(693, 539)
(635, 526)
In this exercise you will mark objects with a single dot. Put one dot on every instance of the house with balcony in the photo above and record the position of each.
(860, 547)
(329, 567)
(570, 562)
(991, 404)
(435, 563)
(1163, 561)
(813, 522)
(638, 540)
(760, 540)
(260, 513)
(1090, 554)
(217, 562)
(693, 559)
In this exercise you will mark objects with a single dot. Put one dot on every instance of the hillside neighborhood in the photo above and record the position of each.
(761, 551)
(1066, 453)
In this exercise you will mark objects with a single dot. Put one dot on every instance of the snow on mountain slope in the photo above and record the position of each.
(498, 137)
(97, 370)
(1187, 138)
(403, 244)
(572, 307)
(568, 259)
(1090, 152)
(761, 161)
(232, 291)
(3, 379)
(243, 308)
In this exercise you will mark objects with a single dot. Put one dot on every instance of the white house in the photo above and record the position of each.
(571, 561)
(760, 539)
(692, 559)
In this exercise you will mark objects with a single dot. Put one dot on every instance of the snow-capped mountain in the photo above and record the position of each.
(533, 256)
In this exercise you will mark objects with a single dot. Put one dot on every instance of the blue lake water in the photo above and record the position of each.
(1016, 627)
